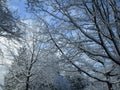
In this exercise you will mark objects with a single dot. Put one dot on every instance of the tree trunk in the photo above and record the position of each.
(27, 84)
(109, 86)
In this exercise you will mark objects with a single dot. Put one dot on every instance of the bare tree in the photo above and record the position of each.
(90, 26)
(9, 27)
(97, 20)
(33, 66)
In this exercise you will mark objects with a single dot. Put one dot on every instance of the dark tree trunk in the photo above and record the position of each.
(109, 86)
(27, 84)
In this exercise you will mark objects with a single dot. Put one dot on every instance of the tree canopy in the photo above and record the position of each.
(66, 45)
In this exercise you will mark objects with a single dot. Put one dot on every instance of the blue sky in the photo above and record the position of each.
(20, 7)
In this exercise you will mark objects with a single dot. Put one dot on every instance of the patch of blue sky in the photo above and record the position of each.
(20, 7)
